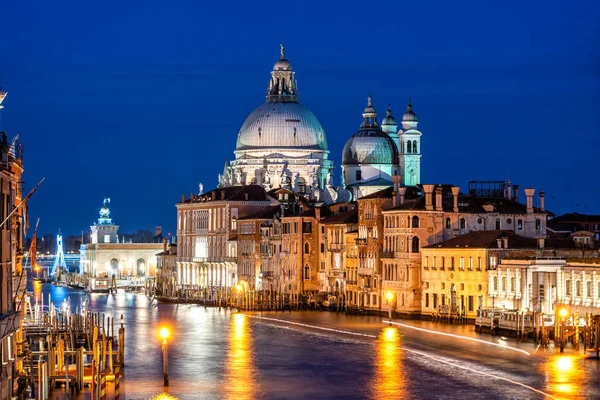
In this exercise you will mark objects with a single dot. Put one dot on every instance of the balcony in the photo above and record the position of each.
(350, 282)
(335, 247)
(394, 285)
(387, 254)
(361, 242)
(365, 271)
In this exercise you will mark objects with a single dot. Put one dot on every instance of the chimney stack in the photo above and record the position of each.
(402, 193)
(542, 205)
(318, 213)
(165, 244)
(529, 192)
(509, 190)
(516, 193)
(438, 198)
(499, 243)
(455, 191)
(541, 243)
(505, 241)
(428, 197)
(396, 179)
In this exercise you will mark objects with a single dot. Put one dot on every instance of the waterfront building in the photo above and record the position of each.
(370, 246)
(338, 275)
(13, 279)
(167, 279)
(454, 272)
(207, 228)
(553, 273)
(429, 214)
(105, 256)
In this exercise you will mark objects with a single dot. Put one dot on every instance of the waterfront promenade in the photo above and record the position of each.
(215, 353)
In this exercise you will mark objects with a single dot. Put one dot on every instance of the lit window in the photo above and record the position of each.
(520, 224)
(568, 287)
(106, 238)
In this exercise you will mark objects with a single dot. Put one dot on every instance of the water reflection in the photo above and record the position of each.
(389, 375)
(565, 376)
(240, 373)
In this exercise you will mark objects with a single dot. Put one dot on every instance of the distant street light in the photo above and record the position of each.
(164, 334)
(390, 296)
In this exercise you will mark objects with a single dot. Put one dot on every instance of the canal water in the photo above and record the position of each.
(217, 354)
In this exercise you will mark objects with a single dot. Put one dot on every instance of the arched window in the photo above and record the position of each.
(408, 146)
(401, 146)
(568, 287)
(415, 222)
(415, 146)
(497, 224)
(234, 223)
(415, 244)
(463, 223)
(306, 272)
(538, 224)
(141, 267)
(448, 223)
(306, 248)
(114, 266)
(519, 224)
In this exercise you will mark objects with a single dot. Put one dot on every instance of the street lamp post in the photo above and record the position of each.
(563, 314)
(239, 290)
(389, 296)
(164, 334)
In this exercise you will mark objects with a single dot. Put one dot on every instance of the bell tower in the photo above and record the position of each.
(410, 147)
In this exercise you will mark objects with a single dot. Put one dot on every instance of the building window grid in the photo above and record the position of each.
(470, 263)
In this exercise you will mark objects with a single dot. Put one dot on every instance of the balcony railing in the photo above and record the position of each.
(365, 271)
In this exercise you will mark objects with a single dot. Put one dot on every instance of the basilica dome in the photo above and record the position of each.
(282, 125)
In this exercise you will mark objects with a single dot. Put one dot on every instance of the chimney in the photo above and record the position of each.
(246, 196)
(182, 198)
(455, 191)
(282, 210)
(541, 243)
(402, 193)
(542, 205)
(529, 192)
(438, 199)
(509, 190)
(428, 197)
(396, 179)
(516, 193)
(165, 244)
(499, 243)
(318, 213)
(505, 240)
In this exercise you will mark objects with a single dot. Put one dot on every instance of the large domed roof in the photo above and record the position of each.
(282, 125)
(370, 146)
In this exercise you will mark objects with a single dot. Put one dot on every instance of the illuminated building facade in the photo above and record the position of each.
(13, 279)
(104, 256)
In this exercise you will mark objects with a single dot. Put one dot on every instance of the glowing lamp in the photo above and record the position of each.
(389, 296)
(563, 312)
(239, 288)
(164, 333)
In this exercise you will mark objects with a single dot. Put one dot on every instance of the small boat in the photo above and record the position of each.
(99, 285)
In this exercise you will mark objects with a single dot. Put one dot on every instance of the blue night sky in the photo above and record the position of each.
(141, 101)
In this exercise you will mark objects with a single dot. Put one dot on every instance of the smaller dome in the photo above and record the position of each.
(370, 146)
(409, 115)
(389, 118)
(282, 65)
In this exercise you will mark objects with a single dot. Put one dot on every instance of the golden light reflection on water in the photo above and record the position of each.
(389, 380)
(564, 376)
(240, 372)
